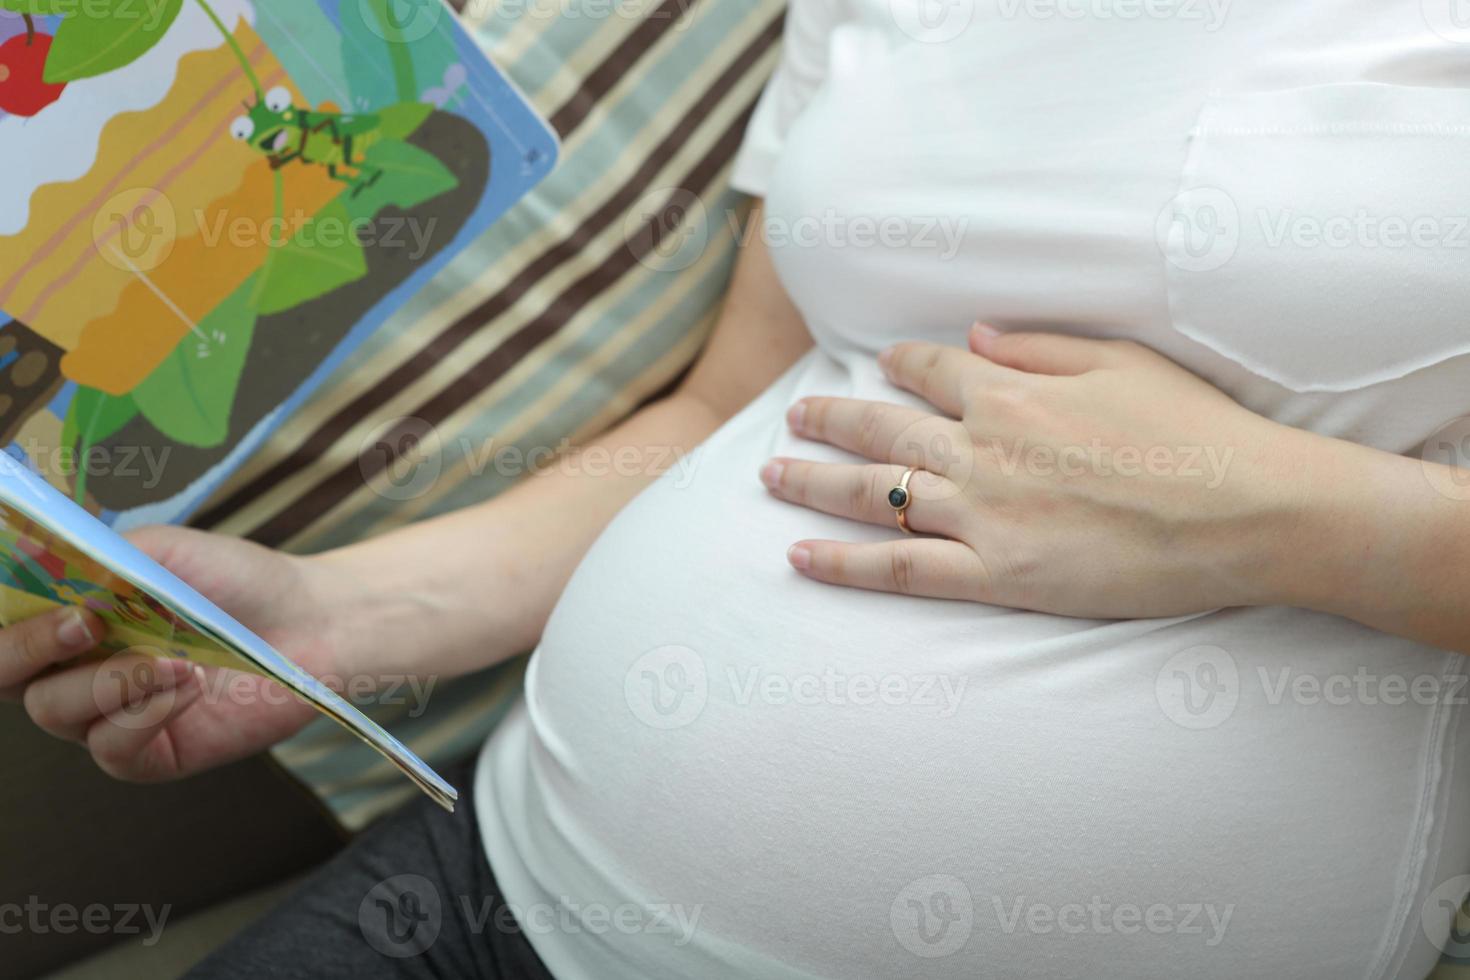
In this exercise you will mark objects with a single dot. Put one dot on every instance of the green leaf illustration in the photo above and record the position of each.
(411, 176)
(100, 37)
(93, 416)
(190, 395)
(400, 120)
(323, 255)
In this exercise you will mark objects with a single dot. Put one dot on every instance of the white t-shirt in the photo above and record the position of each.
(721, 769)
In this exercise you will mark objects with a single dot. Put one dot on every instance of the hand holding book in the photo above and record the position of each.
(146, 719)
(148, 712)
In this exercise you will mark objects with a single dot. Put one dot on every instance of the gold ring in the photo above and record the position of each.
(899, 499)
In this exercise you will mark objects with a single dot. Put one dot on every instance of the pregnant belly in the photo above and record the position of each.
(850, 784)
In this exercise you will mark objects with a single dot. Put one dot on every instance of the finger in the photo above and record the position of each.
(134, 745)
(861, 493)
(941, 375)
(935, 567)
(65, 704)
(33, 646)
(1042, 353)
(883, 432)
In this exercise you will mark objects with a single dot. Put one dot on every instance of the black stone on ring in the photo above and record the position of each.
(898, 498)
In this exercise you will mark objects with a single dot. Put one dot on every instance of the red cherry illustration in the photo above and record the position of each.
(23, 90)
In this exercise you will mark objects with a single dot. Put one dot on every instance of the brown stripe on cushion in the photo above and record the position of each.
(327, 493)
(314, 446)
(617, 64)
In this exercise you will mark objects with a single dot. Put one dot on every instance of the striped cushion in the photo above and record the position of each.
(553, 326)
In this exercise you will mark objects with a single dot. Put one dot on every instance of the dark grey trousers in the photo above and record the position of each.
(412, 897)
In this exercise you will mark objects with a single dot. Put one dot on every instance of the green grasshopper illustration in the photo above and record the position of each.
(338, 141)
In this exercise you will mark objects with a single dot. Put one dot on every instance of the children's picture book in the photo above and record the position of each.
(207, 204)
(53, 554)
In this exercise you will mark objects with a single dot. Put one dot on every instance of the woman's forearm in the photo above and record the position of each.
(1383, 540)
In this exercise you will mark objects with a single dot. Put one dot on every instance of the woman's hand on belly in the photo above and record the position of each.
(1071, 476)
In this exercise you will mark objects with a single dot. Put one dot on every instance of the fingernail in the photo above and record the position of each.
(985, 329)
(885, 357)
(170, 673)
(800, 557)
(771, 473)
(797, 416)
(982, 334)
(74, 633)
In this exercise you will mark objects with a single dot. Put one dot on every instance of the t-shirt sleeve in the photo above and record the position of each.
(800, 72)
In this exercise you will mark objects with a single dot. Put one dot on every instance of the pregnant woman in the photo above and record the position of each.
(1060, 586)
